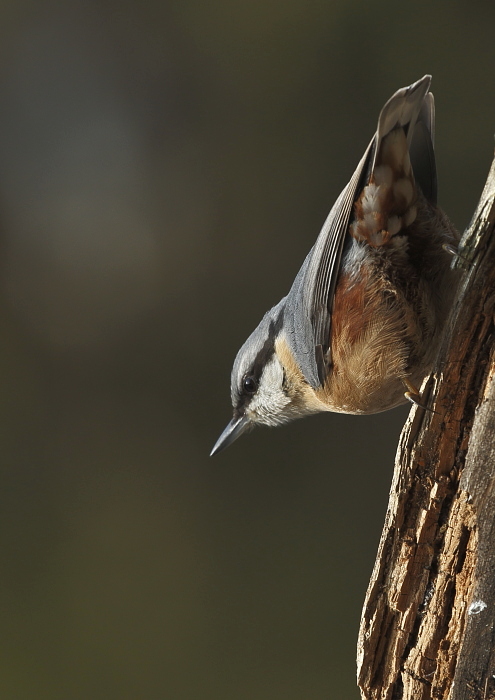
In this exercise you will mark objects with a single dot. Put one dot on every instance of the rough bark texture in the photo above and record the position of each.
(427, 629)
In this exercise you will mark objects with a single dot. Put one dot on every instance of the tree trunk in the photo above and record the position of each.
(428, 624)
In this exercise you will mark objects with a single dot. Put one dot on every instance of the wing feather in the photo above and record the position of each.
(308, 308)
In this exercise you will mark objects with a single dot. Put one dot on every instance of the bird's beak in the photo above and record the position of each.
(235, 428)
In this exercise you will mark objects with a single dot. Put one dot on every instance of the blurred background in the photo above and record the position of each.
(164, 169)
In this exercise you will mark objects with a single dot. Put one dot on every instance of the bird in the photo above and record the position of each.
(360, 327)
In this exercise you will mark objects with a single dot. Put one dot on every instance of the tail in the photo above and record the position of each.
(413, 109)
(402, 167)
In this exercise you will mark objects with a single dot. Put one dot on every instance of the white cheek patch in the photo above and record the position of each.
(269, 402)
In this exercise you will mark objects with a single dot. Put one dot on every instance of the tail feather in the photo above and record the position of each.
(413, 109)
(403, 163)
(403, 109)
(422, 149)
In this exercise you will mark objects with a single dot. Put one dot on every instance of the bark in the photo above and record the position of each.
(428, 623)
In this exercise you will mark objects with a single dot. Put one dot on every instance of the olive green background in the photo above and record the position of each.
(164, 169)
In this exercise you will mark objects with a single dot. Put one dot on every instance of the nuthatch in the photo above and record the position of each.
(360, 327)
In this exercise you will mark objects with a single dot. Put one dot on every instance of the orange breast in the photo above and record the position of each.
(368, 343)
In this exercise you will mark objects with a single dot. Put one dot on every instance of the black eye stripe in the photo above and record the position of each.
(268, 349)
(262, 358)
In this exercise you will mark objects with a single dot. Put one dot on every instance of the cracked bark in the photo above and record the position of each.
(428, 623)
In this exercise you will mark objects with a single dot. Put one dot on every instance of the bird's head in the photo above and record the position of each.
(266, 386)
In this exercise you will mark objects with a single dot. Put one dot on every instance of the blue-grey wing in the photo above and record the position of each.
(308, 307)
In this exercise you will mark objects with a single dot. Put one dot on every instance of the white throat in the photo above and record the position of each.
(268, 404)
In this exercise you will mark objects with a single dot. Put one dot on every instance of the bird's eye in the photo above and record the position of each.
(250, 385)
